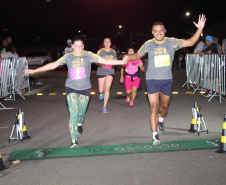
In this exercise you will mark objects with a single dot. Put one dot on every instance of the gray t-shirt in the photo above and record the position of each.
(79, 67)
(68, 50)
(199, 46)
(108, 69)
(160, 57)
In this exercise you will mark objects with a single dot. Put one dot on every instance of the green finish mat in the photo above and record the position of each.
(44, 153)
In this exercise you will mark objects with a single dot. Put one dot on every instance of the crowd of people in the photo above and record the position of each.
(210, 46)
(159, 80)
(7, 49)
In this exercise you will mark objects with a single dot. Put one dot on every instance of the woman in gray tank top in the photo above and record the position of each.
(78, 83)
(105, 73)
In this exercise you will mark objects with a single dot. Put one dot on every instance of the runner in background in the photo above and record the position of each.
(159, 78)
(78, 84)
(132, 78)
(69, 47)
(105, 73)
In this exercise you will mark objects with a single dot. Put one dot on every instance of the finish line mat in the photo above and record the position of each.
(44, 153)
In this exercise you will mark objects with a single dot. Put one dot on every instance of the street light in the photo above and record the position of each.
(192, 15)
(187, 14)
(130, 33)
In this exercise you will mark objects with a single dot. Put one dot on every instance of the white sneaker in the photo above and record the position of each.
(156, 140)
(208, 95)
(74, 145)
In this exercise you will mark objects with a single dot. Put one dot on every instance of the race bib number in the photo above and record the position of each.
(78, 73)
(107, 66)
(162, 60)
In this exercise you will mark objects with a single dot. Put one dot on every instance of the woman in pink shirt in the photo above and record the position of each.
(132, 78)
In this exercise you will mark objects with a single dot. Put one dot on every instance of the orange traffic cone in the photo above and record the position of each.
(2, 167)
(223, 138)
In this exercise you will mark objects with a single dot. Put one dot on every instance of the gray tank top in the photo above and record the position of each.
(108, 69)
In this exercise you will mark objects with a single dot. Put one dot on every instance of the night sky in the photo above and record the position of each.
(52, 23)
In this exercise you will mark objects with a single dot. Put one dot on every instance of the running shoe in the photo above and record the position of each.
(74, 145)
(160, 127)
(208, 95)
(156, 140)
(104, 110)
(80, 130)
(131, 104)
(127, 99)
(101, 96)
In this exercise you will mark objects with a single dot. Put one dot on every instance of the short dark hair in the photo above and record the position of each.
(157, 23)
(130, 48)
(78, 38)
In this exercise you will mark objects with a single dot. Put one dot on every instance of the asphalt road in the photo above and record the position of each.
(46, 118)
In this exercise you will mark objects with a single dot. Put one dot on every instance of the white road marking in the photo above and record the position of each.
(3, 127)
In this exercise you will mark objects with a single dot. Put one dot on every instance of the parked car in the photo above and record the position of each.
(37, 58)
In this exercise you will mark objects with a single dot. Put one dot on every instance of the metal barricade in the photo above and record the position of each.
(20, 81)
(5, 80)
(206, 72)
(12, 79)
(222, 75)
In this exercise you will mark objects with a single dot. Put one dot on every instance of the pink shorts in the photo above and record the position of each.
(129, 84)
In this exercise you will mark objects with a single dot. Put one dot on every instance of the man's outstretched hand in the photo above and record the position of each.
(201, 22)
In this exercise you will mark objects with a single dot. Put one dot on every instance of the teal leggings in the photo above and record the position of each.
(77, 104)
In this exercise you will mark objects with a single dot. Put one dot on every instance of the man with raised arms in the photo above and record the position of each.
(159, 80)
